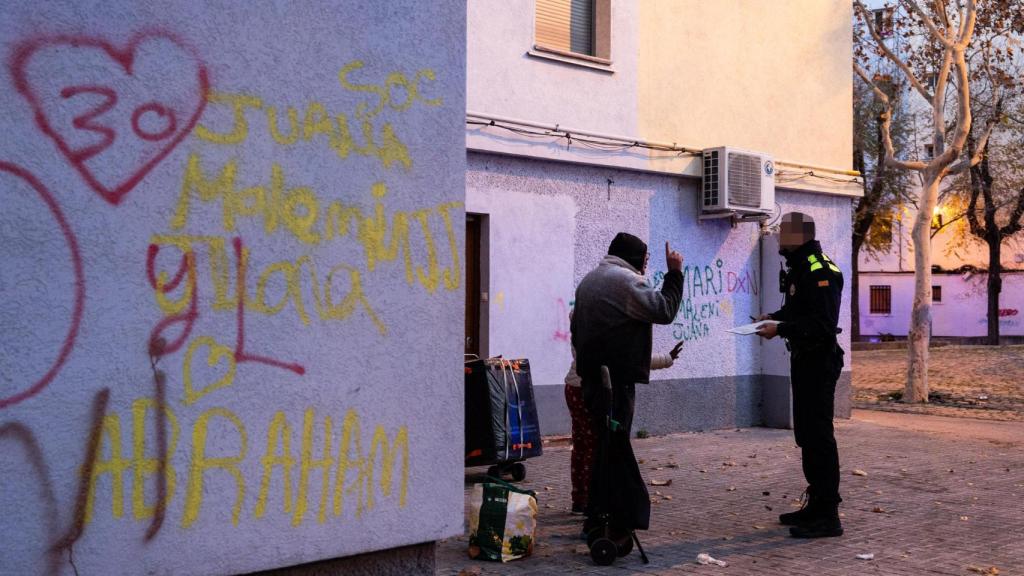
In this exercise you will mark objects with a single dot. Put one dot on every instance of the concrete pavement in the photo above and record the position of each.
(938, 496)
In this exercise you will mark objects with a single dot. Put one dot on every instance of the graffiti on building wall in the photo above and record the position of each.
(100, 104)
(710, 292)
(1007, 318)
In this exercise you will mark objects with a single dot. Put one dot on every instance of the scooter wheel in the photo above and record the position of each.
(603, 551)
(596, 533)
(518, 472)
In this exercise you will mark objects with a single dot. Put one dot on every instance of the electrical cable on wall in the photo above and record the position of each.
(610, 144)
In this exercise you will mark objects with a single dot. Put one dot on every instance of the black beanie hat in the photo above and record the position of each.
(629, 248)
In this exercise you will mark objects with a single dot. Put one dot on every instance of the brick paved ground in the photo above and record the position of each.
(984, 382)
(941, 495)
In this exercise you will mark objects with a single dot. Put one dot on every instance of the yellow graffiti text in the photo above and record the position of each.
(318, 126)
(298, 469)
(301, 213)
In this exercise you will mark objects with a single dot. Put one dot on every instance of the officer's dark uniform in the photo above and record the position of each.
(809, 319)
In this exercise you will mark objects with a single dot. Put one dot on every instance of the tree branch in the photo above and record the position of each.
(890, 151)
(880, 43)
(1014, 225)
(963, 124)
(972, 207)
(974, 159)
(967, 19)
(942, 37)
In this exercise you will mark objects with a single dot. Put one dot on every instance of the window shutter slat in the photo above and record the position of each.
(553, 24)
(566, 25)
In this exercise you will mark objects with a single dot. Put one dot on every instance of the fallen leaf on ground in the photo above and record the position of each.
(548, 488)
(965, 518)
(878, 510)
(768, 508)
(868, 556)
(671, 465)
(990, 571)
(667, 497)
(661, 482)
(766, 493)
(859, 472)
(758, 527)
(732, 488)
(703, 471)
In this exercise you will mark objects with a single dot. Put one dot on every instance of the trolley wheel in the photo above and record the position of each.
(624, 548)
(603, 551)
(494, 472)
(518, 472)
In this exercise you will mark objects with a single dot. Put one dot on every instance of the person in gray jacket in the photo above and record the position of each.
(615, 310)
(584, 440)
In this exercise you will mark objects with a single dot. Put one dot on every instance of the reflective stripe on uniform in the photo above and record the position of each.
(816, 265)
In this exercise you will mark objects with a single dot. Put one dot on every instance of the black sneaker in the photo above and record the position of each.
(805, 514)
(822, 527)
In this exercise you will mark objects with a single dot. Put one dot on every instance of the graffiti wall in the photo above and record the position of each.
(722, 288)
(231, 285)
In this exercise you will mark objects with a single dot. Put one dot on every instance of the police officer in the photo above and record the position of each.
(808, 321)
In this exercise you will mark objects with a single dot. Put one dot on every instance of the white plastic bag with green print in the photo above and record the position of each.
(502, 521)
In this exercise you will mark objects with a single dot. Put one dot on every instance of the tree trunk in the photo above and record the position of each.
(995, 286)
(919, 334)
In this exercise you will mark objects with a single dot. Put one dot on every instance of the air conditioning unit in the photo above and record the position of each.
(737, 182)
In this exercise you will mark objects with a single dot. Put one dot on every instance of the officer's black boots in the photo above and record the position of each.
(816, 519)
(823, 523)
(804, 514)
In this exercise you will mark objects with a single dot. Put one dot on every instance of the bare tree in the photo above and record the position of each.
(995, 225)
(945, 28)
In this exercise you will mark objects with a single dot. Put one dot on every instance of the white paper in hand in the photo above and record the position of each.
(748, 329)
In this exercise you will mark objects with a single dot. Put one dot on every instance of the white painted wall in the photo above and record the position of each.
(280, 439)
(963, 311)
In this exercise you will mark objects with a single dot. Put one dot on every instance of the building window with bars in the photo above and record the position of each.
(937, 294)
(881, 300)
(578, 29)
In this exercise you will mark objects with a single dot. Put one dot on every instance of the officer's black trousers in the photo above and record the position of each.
(814, 388)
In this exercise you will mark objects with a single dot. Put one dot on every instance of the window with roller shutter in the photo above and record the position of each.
(575, 28)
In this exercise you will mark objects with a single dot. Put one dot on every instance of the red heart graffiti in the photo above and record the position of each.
(114, 114)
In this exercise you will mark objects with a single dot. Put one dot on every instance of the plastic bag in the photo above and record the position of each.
(502, 521)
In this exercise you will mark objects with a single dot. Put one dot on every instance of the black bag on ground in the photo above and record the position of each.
(501, 414)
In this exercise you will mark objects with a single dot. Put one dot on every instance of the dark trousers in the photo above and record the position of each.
(814, 389)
